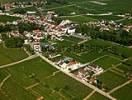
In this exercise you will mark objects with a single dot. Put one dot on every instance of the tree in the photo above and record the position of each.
(14, 42)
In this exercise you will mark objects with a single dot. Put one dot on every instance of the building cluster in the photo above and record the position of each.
(88, 73)
(68, 64)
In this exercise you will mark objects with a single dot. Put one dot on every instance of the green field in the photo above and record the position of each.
(9, 55)
(50, 86)
(124, 93)
(6, 18)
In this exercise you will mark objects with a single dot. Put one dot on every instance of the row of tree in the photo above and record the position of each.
(120, 36)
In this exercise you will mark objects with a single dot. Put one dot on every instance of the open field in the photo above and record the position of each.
(5, 18)
(36, 78)
(9, 55)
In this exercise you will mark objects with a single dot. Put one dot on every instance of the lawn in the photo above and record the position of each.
(50, 86)
(111, 80)
(124, 93)
(9, 55)
(6, 18)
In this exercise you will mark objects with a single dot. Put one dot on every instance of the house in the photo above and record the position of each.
(37, 47)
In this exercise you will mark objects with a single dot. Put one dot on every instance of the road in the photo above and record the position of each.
(72, 76)
(14, 63)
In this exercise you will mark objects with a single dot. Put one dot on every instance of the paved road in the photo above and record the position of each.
(72, 76)
(14, 63)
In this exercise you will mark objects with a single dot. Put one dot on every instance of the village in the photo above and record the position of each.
(46, 35)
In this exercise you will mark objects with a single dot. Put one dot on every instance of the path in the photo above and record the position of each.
(120, 86)
(14, 63)
(6, 78)
(54, 73)
(87, 97)
(94, 60)
(31, 86)
(83, 41)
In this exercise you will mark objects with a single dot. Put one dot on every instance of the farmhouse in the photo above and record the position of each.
(68, 64)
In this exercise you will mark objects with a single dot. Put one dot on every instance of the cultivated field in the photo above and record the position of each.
(99, 52)
(78, 10)
(35, 78)
(9, 55)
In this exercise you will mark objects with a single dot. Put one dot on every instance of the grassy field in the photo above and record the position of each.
(111, 79)
(9, 55)
(24, 76)
(5, 18)
(124, 93)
